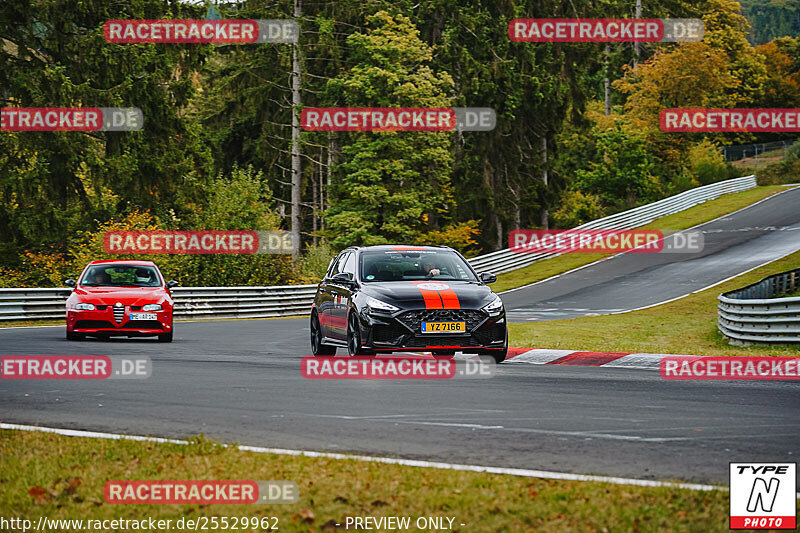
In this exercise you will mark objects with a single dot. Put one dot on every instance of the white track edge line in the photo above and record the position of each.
(706, 287)
(623, 253)
(521, 472)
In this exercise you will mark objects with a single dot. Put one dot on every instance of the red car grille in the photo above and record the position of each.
(105, 324)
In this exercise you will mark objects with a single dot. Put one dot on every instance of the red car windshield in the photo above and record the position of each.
(121, 276)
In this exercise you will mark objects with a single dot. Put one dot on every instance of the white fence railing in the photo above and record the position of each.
(262, 302)
(753, 314)
(190, 302)
(243, 302)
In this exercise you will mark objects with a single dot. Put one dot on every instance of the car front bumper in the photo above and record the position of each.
(104, 322)
(402, 331)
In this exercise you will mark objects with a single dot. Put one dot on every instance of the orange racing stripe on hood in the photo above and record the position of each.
(450, 299)
(438, 298)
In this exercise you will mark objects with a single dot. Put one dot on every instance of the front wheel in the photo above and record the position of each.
(317, 348)
(165, 337)
(72, 336)
(498, 355)
(354, 338)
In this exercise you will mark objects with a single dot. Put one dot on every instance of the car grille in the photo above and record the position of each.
(93, 324)
(384, 333)
(132, 325)
(119, 314)
(143, 324)
(100, 307)
(413, 319)
(432, 340)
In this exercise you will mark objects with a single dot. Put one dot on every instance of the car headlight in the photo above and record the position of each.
(84, 307)
(380, 306)
(152, 307)
(494, 306)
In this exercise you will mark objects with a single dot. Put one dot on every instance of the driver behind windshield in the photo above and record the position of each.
(100, 277)
(142, 276)
(430, 269)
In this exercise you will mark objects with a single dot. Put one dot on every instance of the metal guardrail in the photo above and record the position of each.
(190, 302)
(32, 304)
(753, 314)
(263, 302)
(506, 260)
(243, 302)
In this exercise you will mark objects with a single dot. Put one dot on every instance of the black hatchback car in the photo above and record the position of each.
(407, 298)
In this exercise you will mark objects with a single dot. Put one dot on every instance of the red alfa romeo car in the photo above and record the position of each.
(120, 298)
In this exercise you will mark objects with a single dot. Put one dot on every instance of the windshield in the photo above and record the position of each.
(121, 276)
(394, 265)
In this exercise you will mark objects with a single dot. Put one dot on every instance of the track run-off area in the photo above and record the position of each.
(240, 381)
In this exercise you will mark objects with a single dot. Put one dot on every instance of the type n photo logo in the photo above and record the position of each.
(763, 495)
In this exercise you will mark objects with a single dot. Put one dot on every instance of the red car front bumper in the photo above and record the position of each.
(104, 322)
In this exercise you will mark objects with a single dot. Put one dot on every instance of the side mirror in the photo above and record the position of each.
(172, 283)
(69, 283)
(488, 277)
(342, 277)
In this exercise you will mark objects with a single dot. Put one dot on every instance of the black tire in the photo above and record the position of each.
(317, 348)
(72, 336)
(165, 337)
(354, 338)
(498, 355)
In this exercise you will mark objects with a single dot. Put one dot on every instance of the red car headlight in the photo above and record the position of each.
(83, 306)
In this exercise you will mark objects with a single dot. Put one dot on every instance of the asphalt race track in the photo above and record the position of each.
(240, 381)
(733, 244)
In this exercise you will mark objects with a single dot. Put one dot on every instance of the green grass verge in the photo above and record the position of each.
(62, 477)
(686, 326)
(25, 323)
(685, 219)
